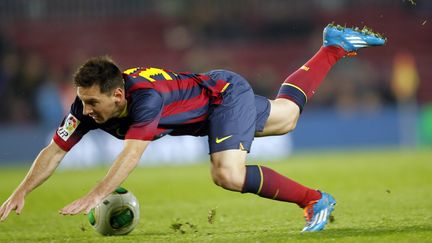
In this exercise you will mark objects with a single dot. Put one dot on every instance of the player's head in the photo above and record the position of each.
(100, 87)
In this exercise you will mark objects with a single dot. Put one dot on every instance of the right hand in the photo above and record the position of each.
(14, 202)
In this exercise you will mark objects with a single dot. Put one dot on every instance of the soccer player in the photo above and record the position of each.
(144, 104)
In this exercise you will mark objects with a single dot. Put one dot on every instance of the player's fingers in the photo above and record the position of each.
(19, 207)
(65, 210)
(88, 209)
(78, 209)
(89, 206)
(69, 209)
(2, 209)
(4, 205)
(4, 216)
(1, 214)
(6, 212)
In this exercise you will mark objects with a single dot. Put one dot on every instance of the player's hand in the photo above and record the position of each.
(14, 202)
(84, 204)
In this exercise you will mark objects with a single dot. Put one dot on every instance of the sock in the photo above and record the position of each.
(268, 183)
(301, 85)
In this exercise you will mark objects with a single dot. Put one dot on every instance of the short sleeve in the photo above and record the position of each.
(145, 112)
(73, 127)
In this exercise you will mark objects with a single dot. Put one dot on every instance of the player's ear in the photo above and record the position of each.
(119, 94)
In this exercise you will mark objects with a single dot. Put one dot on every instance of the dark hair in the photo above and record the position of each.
(101, 71)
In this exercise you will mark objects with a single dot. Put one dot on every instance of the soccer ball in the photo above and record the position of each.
(117, 214)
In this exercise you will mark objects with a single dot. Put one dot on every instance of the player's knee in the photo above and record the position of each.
(219, 178)
(228, 178)
(228, 169)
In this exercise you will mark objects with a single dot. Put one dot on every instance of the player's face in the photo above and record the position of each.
(101, 106)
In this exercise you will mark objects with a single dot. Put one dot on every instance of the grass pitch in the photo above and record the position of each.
(383, 196)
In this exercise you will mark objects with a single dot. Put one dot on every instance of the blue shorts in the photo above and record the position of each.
(232, 124)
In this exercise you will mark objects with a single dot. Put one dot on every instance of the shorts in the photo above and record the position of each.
(233, 123)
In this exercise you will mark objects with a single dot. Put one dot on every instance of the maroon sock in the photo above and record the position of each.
(268, 183)
(302, 84)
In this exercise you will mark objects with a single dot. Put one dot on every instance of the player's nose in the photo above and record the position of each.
(87, 110)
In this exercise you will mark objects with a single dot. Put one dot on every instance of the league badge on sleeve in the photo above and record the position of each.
(69, 126)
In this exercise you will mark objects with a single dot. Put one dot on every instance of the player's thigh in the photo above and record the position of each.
(231, 125)
(282, 119)
(231, 132)
(228, 168)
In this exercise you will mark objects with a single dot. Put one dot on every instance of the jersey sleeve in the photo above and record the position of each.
(145, 113)
(73, 127)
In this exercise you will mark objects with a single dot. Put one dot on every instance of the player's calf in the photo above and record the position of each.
(268, 183)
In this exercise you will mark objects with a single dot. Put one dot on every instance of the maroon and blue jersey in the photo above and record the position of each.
(159, 102)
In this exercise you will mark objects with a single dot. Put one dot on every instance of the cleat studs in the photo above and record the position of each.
(351, 54)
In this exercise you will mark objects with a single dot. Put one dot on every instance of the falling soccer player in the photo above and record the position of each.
(143, 104)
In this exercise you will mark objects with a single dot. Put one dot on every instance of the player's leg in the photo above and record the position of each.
(301, 85)
(232, 125)
(231, 131)
(229, 170)
(282, 119)
(297, 89)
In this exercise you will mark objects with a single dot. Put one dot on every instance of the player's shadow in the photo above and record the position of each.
(359, 232)
(337, 233)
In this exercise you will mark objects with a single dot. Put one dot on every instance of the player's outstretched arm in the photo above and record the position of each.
(43, 167)
(124, 164)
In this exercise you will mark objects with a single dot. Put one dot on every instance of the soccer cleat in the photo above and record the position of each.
(317, 213)
(351, 39)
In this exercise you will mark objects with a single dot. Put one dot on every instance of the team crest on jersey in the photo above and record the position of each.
(69, 126)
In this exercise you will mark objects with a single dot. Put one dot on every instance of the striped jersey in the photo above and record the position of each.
(159, 102)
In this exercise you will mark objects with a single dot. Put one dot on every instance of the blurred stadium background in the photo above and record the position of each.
(381, 99)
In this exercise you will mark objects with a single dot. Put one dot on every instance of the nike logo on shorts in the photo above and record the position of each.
(220, 140)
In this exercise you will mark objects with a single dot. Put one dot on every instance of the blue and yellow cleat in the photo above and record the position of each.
(351, 39)
(317, 213)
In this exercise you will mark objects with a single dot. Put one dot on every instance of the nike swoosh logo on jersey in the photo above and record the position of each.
(220, 140)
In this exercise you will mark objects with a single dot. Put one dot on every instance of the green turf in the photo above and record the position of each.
(383, 196)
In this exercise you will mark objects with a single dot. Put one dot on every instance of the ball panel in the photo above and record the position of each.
(91, 217)
(121, 218)
(121, 190)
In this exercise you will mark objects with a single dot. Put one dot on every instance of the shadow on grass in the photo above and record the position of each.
(269, 235)
(360, 232)
(339, 233)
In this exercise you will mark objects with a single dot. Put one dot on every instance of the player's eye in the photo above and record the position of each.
(91, 103)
